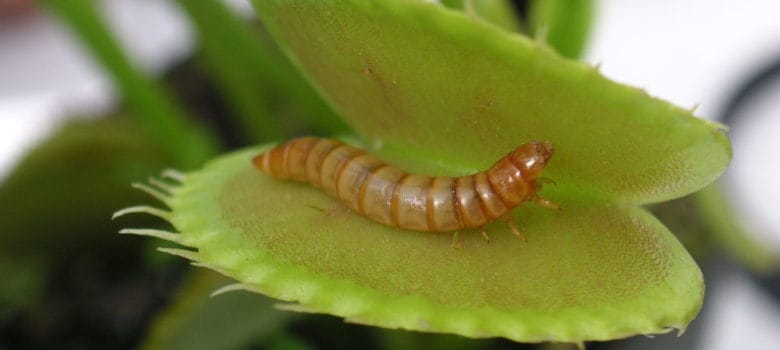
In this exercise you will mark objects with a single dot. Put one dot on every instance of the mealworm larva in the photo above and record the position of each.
(407, 201)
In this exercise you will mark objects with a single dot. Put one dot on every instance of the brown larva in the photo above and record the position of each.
(413, 202)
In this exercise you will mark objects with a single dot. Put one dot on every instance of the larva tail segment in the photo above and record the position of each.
(261, 161)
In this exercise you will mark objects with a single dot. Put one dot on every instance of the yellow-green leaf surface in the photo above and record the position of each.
(586, 272)
(434, 91)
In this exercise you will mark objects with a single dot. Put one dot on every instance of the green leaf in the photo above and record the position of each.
(564, 24)
(23, 284)
(729, 234)
(59, 199)
(498, 12)
(267, 94)
(434, 91)
(434, 85)
(233, 320)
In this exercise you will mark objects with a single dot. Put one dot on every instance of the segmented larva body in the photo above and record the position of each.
(413, 202)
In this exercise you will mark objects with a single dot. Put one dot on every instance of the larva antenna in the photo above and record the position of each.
(142, 209)
(166, 235)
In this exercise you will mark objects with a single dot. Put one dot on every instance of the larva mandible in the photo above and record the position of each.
(407, 201)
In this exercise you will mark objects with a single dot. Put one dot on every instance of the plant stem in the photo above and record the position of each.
(151, 106)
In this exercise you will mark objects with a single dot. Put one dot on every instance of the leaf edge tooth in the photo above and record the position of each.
(212, 267)
(164, 198)
(183, 253)
(161, 234)
(169, 189)
(142, 209)
(233, 287)
(173, 174)
(298, 308)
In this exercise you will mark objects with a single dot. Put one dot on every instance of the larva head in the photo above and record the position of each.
(514, 177)
(531, 158)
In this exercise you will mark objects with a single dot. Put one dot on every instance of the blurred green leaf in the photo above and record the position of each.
(263, 87)
(498, 12)
(729, 234)
(401, 340)
(23, 282)
(234, 320)
(59, 199)
(564, 24)
(284, 341)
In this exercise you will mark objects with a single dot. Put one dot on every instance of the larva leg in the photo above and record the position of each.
(513, 227)
(538, 183)
(455, 241)
(545, 181)
(545, 202)
(332, 211)
(315, 208)
(484, 234)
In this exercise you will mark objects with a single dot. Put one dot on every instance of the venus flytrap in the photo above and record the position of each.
(434, 91)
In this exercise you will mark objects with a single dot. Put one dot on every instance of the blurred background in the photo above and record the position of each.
(75, 98)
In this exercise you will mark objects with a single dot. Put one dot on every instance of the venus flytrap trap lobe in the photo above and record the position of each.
(604, 268)
(318, 292)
